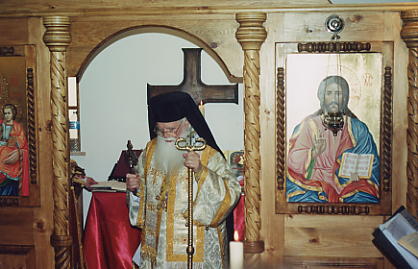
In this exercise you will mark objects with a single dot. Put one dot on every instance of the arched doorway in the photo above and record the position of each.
(113, 97)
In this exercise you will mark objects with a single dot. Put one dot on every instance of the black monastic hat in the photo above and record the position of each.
(174, 106)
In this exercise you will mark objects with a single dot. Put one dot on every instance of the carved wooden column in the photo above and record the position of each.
(251, 35)
(409, 34)
(57, 38)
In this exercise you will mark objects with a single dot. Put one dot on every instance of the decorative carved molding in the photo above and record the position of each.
(9, 201)
(334, 209)
(17, 256)
(280, 129)
(31, 125)
(386, 155)
(251, 35)
(57, 38)
(412, 133)
(409, 33)
(15, 249)
(334, 47)
(7, 51)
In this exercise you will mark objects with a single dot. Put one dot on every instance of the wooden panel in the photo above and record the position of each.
(306, 238)
(333, 236)
(311, 26)
(16, 226)
(11, 7)
(17, 257)
(329, 263)
(45, 7)
(42, 224)
(13, 31)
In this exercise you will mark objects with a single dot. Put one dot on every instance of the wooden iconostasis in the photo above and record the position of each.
(254, 44)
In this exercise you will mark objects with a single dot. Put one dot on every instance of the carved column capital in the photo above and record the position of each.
(409, 31)
(57, 36)
(251, 32)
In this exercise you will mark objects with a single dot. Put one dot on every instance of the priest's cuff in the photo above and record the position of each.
(198, 174)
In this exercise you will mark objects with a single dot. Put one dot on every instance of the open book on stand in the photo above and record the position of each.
(388, 239)
(410, 242)
(109, 186)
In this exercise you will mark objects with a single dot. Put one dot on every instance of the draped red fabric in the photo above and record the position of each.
(109, 239)
(239, 216)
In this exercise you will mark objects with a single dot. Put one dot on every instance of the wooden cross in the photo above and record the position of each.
(193, 85)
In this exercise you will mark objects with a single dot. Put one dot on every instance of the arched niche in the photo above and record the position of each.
(94, 100)
(219, 43)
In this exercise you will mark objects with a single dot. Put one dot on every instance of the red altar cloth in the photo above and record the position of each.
(109, 239)
(239, 215)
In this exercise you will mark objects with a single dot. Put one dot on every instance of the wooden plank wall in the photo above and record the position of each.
(313, 241)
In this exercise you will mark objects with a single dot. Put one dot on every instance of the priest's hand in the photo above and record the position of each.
(132, 182)
(192, 160)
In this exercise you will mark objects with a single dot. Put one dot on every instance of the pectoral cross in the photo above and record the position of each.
(193, 85)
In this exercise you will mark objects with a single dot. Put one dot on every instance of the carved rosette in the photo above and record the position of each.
(409, 34)
(251, 35)
(57, 38)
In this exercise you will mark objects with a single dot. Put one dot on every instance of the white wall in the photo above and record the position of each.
(113, 99)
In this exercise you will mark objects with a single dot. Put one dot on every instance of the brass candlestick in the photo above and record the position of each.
(197, 144)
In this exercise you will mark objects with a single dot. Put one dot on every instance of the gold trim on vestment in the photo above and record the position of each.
(200, 230)
(300, 184)
(223, 208)
(298, 192)
(149, 151)
(356, 191)
(206, 155)
(147, 251)
(171, 257)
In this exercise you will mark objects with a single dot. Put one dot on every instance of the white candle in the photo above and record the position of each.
(202, 108)
(236, 253)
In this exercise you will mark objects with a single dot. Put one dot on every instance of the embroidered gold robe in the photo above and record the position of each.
(159, 208)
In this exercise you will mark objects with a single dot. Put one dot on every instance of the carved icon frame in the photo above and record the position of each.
(17, 75)
(383, 52)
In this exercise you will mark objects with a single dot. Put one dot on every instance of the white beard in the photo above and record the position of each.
(167, 157)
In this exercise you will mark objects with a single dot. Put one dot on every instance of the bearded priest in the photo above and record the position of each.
(158, 191)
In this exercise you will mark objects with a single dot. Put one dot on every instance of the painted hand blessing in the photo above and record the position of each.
(319, 145)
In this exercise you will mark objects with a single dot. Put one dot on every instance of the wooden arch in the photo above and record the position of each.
(59, 38)
(162, 29)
